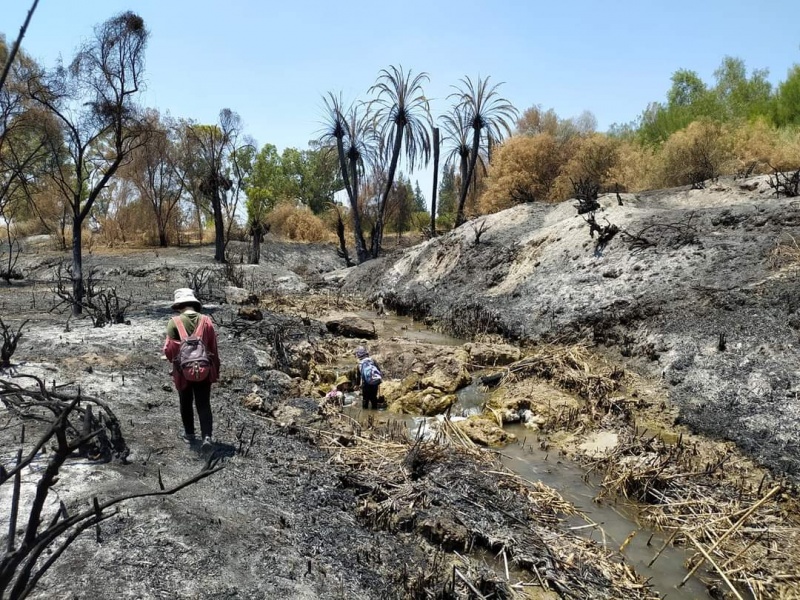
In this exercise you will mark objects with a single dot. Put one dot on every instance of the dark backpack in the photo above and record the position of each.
(370, 374)
(192, 359)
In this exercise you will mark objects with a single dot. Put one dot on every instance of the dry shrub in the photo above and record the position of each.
(593, 159)
(130, 222)
(755, 146)
(297, 223)
(523, 169)
(788, 157)
(692, 155)
(635, 168)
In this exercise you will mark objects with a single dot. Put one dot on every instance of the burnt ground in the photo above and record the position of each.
(308, 504)
(688, 267)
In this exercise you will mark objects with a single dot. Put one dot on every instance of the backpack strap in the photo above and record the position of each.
(198, 331)
(181, 329)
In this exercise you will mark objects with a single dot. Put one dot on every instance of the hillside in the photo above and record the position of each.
(688, 267)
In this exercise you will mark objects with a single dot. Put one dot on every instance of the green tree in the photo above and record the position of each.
(739, 96)
(419, 199)
(403, 115)
(786, 109)
(93, 102)
(266, 186)
(401, 206)
(448, 193)
(489, 117)
(314, 175)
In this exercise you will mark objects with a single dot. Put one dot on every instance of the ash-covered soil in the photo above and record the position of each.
(309, 504)
(700, 288)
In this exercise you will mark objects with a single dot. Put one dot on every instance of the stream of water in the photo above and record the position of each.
(615, 521)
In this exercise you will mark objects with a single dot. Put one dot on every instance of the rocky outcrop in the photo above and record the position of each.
(351, 326)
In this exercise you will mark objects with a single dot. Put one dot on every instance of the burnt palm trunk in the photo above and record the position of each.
(465, 182)
(435, 179)
(358, 232)
(377, 239)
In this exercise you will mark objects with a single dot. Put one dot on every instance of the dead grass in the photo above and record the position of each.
(785, 255)
(718, 504)
(573, 369)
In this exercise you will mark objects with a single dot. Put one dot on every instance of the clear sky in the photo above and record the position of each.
(272, 61)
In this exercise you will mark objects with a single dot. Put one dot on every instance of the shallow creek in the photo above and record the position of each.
(607, 522)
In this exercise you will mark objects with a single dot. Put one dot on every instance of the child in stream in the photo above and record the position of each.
(193, 382)
(369, 377)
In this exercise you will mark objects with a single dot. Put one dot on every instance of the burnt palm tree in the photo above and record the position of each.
(489, 117)
(403, 118)
(457, 130)
(352, 131)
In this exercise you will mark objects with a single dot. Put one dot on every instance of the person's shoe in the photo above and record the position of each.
(207, 443)
(189, 438)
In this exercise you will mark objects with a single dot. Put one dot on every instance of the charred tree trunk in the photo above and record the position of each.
(465, 182)
(435, 179)
(342, 242)
(77, 266)
(377, 238)
(257, 236)
(361, 244)
(219, 228)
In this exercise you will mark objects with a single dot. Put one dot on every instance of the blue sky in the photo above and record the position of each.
(272, 62)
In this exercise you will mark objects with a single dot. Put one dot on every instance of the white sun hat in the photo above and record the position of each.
(184, 296)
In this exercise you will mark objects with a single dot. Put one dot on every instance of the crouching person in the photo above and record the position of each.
(191, 347)
(369, 377)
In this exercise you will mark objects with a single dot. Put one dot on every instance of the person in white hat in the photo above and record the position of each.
(194, 386)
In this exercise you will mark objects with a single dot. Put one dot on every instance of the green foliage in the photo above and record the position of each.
(266, 186)
(448, 193)
(786, 109)
(419, 199)
(733, 97)
(313, 175)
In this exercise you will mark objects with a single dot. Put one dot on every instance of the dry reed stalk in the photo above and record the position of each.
(708, 506)
(734, 527)
(708, 557)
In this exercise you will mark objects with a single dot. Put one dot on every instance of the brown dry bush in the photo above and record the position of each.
(593, 159)
(755, 146)
(297, 223)
(635, 168)
(523, 169)
(700, 152)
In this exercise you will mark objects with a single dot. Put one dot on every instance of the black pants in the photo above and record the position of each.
(196, 393)
(369, 395)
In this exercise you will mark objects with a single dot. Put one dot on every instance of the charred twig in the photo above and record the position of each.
(784, 184)
(10, 340)
(103, 305)
(107, 441)
(20, 567)
(586, 192)
(683, 232)
(479, 230)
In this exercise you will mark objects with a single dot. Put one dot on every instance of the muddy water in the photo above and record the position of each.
(615, 522)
